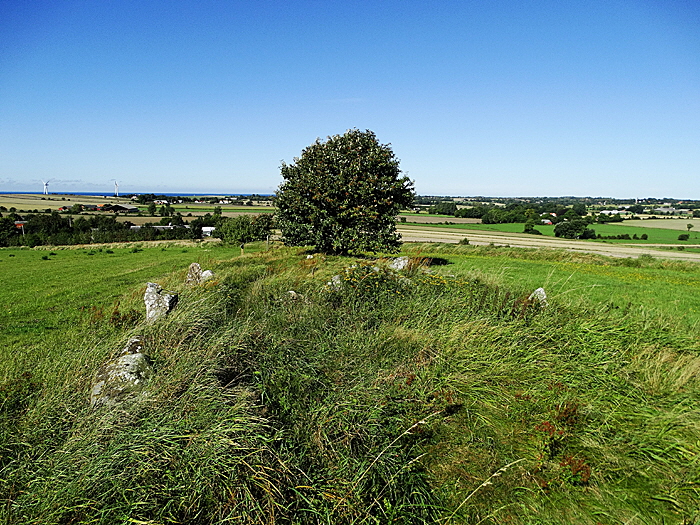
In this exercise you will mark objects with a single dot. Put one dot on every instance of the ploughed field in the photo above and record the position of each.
(439, 393)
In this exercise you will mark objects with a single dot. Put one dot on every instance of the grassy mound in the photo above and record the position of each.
(411, 397)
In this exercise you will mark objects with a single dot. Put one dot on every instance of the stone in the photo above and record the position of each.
(195, 275)
(122, 377)
(158, 304)
(336, 282)
(133, 346)
(400, 263)
(538, 296)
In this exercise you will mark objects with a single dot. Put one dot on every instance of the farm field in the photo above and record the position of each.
(657, 235)
(440, 399)
(669, 224)
(445, 234)
(29, 202)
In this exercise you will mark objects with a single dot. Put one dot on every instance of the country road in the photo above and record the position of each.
(420, 233)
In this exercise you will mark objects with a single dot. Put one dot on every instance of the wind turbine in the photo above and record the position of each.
(116, 188)
(46, 186)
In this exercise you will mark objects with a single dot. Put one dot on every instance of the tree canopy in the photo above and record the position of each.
(343, 195)
(243, 229)
(576, 229)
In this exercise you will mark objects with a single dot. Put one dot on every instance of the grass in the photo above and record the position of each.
(655, 235)
(648, 285)
(446, 398)
(54, 290)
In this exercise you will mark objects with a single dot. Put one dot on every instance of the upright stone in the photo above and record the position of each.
(194, 274)
(122, 377)
(538, 296)
(158, 304)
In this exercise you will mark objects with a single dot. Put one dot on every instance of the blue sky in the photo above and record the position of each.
(496, 98)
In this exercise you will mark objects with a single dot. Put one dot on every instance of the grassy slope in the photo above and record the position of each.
(663, 288)
(267, 409)
(52, 291)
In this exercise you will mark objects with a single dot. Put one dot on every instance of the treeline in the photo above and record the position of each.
(54, 229)
(146, 198)
(513, 212)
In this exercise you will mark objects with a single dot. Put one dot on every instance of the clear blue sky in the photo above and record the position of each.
(484, 97)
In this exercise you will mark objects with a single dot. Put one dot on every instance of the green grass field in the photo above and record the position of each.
(52, 291)
(440, 396)
(655, 235)
(649, 285)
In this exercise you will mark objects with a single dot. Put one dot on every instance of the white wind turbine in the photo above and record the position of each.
(46, 186)
(116, 187)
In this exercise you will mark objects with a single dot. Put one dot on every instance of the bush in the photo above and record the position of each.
(683, 237)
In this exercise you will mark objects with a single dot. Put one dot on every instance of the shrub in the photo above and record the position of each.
(683, 237)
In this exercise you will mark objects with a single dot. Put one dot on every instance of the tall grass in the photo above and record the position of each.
(424, 398)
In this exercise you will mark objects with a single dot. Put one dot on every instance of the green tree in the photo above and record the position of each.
(343, 195)
(152, 209)
(689, 226)
(243, 229)
(8, 230)
(443, 208)
(530, 228)
(579, 209)
(576, 229)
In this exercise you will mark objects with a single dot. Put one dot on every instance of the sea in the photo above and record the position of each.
(168, 194)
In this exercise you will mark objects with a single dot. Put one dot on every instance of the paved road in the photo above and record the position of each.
(414, 233)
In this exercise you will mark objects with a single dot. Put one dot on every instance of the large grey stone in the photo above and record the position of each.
(122, 377)
(158, 304)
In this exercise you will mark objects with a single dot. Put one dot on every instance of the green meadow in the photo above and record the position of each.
(649, 285)
(440, 394)
(53, 290)
(655, 235)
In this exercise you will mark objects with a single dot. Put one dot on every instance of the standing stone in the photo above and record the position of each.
(158, 304)
(121, 377)
(538, 296)
(195, 275)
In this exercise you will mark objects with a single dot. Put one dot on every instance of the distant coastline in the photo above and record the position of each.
(103, 194)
